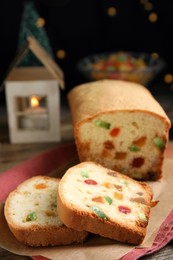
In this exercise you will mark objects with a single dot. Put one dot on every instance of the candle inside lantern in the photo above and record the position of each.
(34, 102)
(35, 117)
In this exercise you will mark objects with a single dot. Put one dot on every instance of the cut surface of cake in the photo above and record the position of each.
(31, 214)
(102, 201)
(121, 126)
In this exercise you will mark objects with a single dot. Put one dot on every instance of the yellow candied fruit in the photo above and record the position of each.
(118, 196)
(98, 199)
(107, 185)
(120, 155)
(40, 186)
(50, 213)
(141, 141)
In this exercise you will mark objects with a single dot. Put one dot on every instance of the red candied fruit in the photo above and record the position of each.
(138, 162)
(108, 145)
(124, 209)
(90, 182)
(115, 131)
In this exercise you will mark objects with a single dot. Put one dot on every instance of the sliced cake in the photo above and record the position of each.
(104, 202)
(31, 214)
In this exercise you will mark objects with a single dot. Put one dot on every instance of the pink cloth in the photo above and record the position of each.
(41, 164)
(164, 236)
(44, 164)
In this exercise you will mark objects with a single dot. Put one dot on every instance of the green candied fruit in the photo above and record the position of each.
(134, 148)
(159, 143)
(99, 212)
(31, 216)
(142, 216)
(108, 200)
(102, 124)
(137, 175)
(124, 181)
(84, 174)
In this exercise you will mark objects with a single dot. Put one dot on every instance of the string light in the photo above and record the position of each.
(168, 78)
(40, 22)
(61, 54)
(148, 6)
(155, 55)
(153, 17)
(112, 11)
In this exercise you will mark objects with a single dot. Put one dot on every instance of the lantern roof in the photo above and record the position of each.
(42, 55)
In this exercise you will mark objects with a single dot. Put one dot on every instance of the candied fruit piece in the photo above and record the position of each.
(138, 162)
(115, 131)
(98, 199)
(134, 148)
(159, 143)
(120, 155)
(139, 200)
(124, 181)
(124, 209)
(118, 187)
(137, 175)
(31, 216)
(90, 182)
(108, 145)
(141, 141)
(102, 124)
(107, 185)
(99, 212)
(84, 174)
(40, 186)
(118, 195)
(108, 199)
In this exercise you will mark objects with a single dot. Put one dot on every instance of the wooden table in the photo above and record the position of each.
(13, 154)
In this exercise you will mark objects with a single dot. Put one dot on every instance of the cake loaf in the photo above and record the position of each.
(98, 200)
(120, 125)
(31, 214)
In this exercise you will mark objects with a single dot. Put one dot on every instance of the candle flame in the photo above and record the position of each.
(34, 101)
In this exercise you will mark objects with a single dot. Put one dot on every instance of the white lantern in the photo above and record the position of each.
(33, 99)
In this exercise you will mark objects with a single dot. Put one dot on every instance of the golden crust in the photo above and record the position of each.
(102, 96)
(52, 236)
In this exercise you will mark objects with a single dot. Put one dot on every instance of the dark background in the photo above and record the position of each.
(83, 27)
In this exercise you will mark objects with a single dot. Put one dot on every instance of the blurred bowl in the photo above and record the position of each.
(130, 66)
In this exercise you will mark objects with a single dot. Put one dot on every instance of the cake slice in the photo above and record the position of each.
(104, 202)
(120, 125)
(31, 214)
